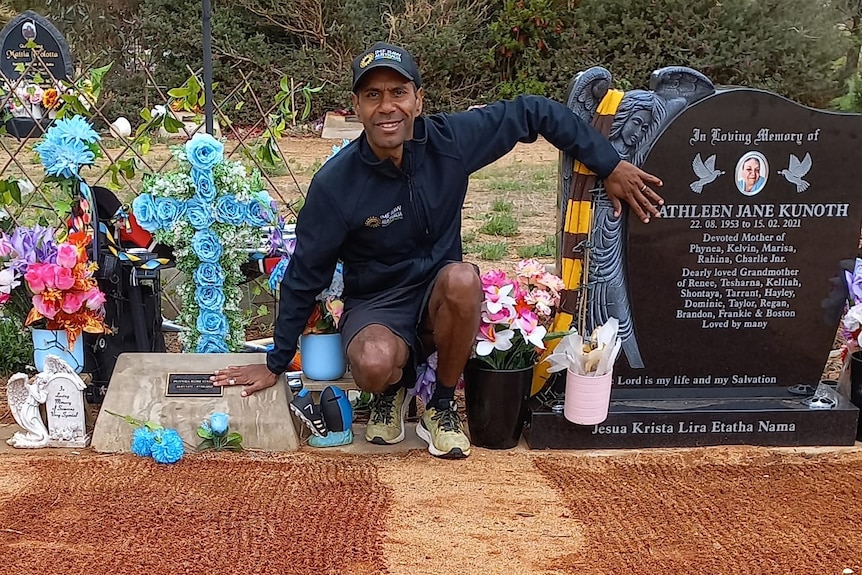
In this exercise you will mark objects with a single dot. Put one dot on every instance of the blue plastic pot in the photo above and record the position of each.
(55, 342)
(322, 356)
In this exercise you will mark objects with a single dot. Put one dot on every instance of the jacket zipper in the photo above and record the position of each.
(413, 206)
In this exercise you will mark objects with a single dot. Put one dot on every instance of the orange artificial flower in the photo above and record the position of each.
(50, 99)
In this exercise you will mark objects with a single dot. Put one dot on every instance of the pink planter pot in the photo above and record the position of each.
(587, 398)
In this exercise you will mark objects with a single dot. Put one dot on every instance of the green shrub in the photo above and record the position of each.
(493, 251)
(545, 249)
(500, 224)
(502, 206)
(16, 346)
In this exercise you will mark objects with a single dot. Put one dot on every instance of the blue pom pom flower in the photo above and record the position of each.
(142, 442)
(167, 446)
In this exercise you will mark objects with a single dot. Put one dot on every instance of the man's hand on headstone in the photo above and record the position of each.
(630, 183)
(253, 377)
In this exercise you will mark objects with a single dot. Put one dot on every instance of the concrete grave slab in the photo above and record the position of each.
(139, 388)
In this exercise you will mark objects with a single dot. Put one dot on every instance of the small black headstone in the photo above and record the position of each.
(50, 46)
(734, 295)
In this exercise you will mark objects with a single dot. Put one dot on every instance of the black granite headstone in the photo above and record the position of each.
(734, 295)
(30, 36)
(732, 285)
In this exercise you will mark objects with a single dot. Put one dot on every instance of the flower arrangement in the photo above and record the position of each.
(515, 315)
(328, 308)
(215, 435)
(59, 278)
(210, 210)
(53, 265)
(152, 440)
(594, 356)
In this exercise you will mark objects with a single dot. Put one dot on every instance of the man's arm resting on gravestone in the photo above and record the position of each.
(485, 134)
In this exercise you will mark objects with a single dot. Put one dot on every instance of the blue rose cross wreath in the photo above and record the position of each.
(210, 210)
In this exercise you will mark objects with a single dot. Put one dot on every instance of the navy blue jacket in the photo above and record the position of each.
(397, 227)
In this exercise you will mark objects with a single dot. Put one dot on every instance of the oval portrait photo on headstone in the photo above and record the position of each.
(752, 171)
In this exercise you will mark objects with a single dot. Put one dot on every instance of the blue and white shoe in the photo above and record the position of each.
(332, 439)
(304, 408)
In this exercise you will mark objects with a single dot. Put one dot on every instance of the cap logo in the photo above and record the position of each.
(381, 54)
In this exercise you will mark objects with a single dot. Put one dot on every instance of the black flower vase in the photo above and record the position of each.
(496, 404)
(856, 386)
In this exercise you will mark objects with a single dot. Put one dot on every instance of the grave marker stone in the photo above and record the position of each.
(734, 295)
(65, 408)
(139, 388)
(48, 44)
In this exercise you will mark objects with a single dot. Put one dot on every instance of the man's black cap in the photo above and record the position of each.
(383, 55)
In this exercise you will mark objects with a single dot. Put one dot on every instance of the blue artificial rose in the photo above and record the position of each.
(144, 209)
(169, 211)
(230, 211)
(211, 344)
(209, 298)
(260, 213)
(219, 422)
(206, 245)
(142, 442)
(199, 213)
(167, 446)
(209, 274)
(203, 151)
(204, 185)
(212, 322)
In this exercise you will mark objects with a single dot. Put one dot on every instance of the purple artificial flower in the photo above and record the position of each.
(31, 245)
(854, 281)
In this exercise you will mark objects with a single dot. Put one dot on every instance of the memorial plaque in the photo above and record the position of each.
(28, 36)
(65, 409)
(729, 303)
(192, 385)
(731, 286)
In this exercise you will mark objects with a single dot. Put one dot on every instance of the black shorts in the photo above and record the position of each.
(400, 309)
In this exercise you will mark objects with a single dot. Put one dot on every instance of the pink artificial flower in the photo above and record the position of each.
(528, 324)
(541, 300)
(63, 277)
(5, 246)
(335, 308)
(95, 298)
(73, 301)
(67, 255)
(4, 297)
(506, 315)
(498, 296)
(47, 308)
(494, 278)
(40, 277)
(530, 269)
(551, 282)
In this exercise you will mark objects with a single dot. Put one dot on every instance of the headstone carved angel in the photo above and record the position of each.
(592, 246)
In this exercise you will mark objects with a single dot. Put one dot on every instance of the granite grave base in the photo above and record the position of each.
(169, 389)
(766, 416)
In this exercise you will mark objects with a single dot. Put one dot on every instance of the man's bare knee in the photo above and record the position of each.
(376, 357)
(460, 287)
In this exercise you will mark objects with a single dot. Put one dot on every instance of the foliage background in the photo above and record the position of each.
(469, 51)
